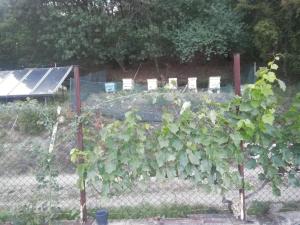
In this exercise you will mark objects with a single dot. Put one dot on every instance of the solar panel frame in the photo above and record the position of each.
(62, 80)
(11, 93)
(58, 84)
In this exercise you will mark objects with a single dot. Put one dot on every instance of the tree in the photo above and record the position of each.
(274, 27)
(207, 27)
(98, 31)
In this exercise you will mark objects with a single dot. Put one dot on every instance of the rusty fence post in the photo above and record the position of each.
(237, 88)
(83, 211)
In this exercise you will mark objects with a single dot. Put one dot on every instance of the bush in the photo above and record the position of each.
(259, 208)
(31, 117)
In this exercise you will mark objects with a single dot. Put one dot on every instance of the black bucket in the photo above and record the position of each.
(102, 217)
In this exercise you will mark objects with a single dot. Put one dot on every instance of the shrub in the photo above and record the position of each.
(31, 117)
(259, 208)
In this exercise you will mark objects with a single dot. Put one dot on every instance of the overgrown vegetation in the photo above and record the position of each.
(290, 206)
(258, 208)
(202, 146)
(30, 217)
(30, 117)
(41, 208)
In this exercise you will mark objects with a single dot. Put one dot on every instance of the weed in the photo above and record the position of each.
(258, 208)
(290, 206)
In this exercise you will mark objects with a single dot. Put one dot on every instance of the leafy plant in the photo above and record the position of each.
(259, 208)
(203, 146)
(29, 116)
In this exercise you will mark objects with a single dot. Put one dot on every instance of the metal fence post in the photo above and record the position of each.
(237, 88)
(83, 211)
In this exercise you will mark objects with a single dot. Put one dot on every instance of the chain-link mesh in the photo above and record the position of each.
(29, 176)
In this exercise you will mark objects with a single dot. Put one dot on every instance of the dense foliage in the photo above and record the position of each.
(93, 32)
(100, 31)
(28, 116)
(273, 26)
(202, 146)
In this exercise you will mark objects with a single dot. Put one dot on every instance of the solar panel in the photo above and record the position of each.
(30, 82)
(26, 86)
(10, 79)
(52, 82)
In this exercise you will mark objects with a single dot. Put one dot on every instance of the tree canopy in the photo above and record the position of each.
(273, 27)
(94, 32)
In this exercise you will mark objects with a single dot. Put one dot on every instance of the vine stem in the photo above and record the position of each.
(83, 210)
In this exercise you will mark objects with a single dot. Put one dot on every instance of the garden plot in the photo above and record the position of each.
(150, 105)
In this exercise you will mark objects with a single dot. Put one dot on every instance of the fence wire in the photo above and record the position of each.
(29, 179)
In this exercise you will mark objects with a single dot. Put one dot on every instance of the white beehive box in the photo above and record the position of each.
(152, 84)
(192, 83)
(214, 84)
(128, 84)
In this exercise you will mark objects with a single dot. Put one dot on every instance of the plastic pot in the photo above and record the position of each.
(102, 217)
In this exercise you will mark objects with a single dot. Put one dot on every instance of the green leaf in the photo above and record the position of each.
(236, 138)
(287, 155)
(193, 158)
(245, 123)
(274, 66)
(74, 153)
(251, 164)
(171, 157)
(163, 142)
(277, 161)
(245, 107)
(270, 76)
(135, 163)
(183, 160)
(110, 166)
(276, 191)
(160, 159)
(281, 84)
(205, 165)
(177, 144)
(174, 128)
(268, 118)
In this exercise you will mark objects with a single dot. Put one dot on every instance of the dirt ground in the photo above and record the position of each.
(21, 190)
(286, 218)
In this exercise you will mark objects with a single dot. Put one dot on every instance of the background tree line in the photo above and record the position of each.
(124, 32)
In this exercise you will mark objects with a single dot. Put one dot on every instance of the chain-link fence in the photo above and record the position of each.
(32, 178)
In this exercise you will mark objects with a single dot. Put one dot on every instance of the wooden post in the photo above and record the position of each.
(237, 88)
(83, 211)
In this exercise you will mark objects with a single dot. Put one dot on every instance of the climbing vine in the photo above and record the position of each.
(204, 145)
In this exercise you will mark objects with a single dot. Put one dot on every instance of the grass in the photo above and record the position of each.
(145, 211)
(4, 216)
(258, 208)
(290, 206)
(148, 211)
(126, 212)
